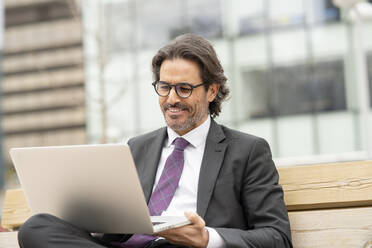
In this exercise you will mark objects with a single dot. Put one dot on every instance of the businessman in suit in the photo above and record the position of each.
(224, 181)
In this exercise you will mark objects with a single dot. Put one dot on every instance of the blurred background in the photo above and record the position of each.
(77, 72)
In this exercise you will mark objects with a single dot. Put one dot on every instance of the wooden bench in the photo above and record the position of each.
(330, 205)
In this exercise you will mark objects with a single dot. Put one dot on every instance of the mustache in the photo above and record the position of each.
(182, 106)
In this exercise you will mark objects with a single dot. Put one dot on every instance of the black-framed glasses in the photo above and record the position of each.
(183, 90)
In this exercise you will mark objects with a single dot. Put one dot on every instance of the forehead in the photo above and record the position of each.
(179, 70)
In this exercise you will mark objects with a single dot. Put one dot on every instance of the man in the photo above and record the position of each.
(224, 180)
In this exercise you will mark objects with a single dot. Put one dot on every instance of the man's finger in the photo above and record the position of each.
(194, 218)
(191, 216)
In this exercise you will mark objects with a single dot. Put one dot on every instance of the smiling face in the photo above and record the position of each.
(184, 114)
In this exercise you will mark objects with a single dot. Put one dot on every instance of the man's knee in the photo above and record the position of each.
(33, 231)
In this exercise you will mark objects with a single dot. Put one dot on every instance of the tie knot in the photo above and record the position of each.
(180, 144)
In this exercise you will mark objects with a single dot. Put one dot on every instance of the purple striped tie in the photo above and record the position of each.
(163, 192)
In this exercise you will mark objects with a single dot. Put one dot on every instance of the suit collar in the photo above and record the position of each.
(212, 160)
(216, 133)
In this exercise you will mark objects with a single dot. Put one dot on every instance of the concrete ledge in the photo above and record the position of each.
(9, 240)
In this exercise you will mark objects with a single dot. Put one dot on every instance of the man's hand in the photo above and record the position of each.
(193, 235)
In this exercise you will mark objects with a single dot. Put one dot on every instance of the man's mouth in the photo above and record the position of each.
(175, 110)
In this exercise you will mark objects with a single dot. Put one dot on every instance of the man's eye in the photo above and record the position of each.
(164, 87)
(184, 89)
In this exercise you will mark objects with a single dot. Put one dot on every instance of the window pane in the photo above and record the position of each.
(208, 22)
(296, 89)
(249, 15)
(369, 68)
(286, 12)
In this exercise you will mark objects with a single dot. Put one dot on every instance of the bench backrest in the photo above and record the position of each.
(330, 205)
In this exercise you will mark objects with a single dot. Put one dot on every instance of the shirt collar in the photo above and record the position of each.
(195, 137)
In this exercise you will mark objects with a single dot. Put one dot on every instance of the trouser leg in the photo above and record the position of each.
(48, 231)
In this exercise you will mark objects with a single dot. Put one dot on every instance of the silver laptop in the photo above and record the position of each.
(95, 187)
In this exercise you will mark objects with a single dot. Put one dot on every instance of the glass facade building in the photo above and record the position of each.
(290, 66)
(42, 93)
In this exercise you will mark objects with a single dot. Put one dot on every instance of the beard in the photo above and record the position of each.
(194, 118)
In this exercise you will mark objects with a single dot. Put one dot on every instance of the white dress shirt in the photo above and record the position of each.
(185, 196)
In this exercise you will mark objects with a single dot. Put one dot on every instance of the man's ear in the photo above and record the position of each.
(212, 91)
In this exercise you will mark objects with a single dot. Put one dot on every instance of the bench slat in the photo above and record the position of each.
(15, 210)
(339, 228)
(327, 185)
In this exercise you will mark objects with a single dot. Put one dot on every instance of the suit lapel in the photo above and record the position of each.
(212, 160)
(152, 156)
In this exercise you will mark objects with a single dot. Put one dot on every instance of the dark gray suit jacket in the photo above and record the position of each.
(238, 191)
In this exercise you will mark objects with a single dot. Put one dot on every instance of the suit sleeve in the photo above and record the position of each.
(262, 200)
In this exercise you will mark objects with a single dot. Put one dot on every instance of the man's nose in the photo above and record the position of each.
(173, 97)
